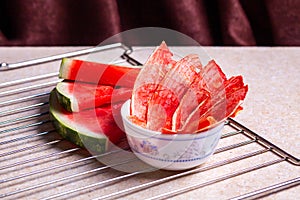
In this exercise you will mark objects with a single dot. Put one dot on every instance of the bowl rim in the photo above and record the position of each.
(156, 134)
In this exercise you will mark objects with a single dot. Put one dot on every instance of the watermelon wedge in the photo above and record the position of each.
(98, 73)
(78, 96)
(92, 129)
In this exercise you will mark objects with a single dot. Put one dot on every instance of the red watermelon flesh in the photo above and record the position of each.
(77, 96)
(98, 73)
(91, 128)
(101, 120)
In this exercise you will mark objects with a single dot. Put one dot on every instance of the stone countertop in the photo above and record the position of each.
(271, 108)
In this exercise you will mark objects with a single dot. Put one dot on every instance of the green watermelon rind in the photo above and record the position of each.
(65, 98)
(95, 143)
(64, 66)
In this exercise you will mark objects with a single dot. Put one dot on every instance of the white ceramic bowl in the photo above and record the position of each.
(170, 151)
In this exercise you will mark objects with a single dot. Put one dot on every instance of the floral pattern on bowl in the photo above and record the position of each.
(170, 151)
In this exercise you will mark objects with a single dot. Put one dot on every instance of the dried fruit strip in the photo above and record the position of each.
(147, 81)
(170, 91)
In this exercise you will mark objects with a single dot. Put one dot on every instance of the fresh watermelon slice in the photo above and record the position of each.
(98, 73)
(77, 96)
(92, 129)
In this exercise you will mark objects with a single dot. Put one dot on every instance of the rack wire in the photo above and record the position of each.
(37, 163)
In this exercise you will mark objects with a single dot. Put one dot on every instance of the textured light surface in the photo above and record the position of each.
(271, 109)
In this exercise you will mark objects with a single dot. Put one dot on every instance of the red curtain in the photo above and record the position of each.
(210, 22)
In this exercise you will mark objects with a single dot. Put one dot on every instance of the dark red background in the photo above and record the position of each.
(210, 22)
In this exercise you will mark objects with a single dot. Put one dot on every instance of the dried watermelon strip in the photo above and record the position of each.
(147, 81)
(192, 98)
(170, 91)
(208, 82)
(214, 79)
(208, 113)
(184, 97)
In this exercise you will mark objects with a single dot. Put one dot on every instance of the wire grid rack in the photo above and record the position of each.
(37, 163)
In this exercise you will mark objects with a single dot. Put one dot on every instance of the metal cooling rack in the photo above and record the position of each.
(36, 163)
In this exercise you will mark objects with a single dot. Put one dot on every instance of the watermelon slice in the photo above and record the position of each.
(93, 129)
(92, 72)
(77, 96)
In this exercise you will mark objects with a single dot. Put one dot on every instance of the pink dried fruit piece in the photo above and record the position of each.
(148, 79)
(170, 91)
